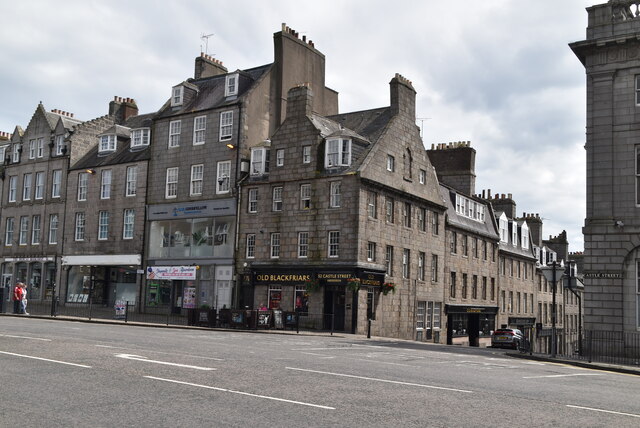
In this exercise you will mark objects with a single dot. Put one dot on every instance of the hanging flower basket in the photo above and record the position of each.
(353, 284)
(387, 287)
(311, 285)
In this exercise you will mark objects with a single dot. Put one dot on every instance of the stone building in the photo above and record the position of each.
(201, 148)
(348, 209)
(609, 54)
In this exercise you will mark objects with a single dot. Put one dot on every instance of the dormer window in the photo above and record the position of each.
(59, 145)
(231, 85)
(514, 233)
(140, 137)
(177, 95)
(524, 231)
(337, 153)
(504, 228)
(107, 143)
(259, 161)
(17, 149)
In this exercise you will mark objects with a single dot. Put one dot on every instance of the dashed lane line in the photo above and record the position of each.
(45, 359)
(604, 411)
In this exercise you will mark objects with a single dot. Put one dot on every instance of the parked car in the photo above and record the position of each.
(506, 337)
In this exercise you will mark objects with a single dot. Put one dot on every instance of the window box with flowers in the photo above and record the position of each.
(353, 284)
(312, 285)
(388, 287)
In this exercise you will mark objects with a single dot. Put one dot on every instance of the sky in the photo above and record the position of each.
(497, 73)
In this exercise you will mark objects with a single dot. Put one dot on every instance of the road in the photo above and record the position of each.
(62, 373)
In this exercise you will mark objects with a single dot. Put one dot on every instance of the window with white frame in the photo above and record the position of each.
(434, 267)
(422, 219)
(103, 225)
(40, 148)
(275, 245)
(280, 157)
(175, 127)
(79, 229)
(129, 219)
(334, 243)
(226, 125)
(371, 251)
(391, 163)
(305, 196)
(231, 85)
(13, 188)
(16, 153)
(199, 129)
(177, 95)
(132, 181)
(53, 228)
(469, 208)
(39, 187)
(56, 183)
(8, 231)
(24, 230)
(503, 225)
(223, 182)
(35, 230)
(277, 199)
(337, 152)
(83, 182)
(421, 257)
(406, 214)
(251, 245)
(514, 233)
(105, 184)
(107, 143)
(306, 154)
(26, 187)
(389, 259)
(335, 197)
(140, 137)
(59, 145)
(32, 149)
(259, 161)
(252, 206)
(171, 188)
(197, 172)
(524, 231)
(389, 209)
(372, 204)
(303, 244)
(422, 176)
(406, 260)
(420, 315)
(3, 151)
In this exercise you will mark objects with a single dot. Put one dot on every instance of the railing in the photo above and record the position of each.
(611, 347)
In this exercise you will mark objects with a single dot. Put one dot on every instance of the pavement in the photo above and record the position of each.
(616, 368)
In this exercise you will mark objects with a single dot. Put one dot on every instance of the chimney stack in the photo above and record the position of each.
(122, 108)
(300, 101)
(208, 66)
(455, 165)
(403, 97)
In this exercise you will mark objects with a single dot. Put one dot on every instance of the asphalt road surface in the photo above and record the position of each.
(65, 374)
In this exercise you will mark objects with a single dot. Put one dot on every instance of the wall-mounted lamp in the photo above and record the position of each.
(90, 171)
(231, 146)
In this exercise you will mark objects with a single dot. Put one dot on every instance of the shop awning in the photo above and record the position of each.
(103, 260)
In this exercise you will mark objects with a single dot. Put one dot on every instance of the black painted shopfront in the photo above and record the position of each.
(472, 322)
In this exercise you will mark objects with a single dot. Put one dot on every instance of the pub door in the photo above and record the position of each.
(474, 329)
(334, 304)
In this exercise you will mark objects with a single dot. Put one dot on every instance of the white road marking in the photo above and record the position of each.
(26, 337)
(318, 355)
(146, 360)
(563, 375)
(604, 411)
(160, 352)
(45, 359)
(241, 393)
(379, 380)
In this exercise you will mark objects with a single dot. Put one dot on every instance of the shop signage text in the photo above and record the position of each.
(171, 272)
(275, 277)
(29, 259)
(604, 275)
(371, 280)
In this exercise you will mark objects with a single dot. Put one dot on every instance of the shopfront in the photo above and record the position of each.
(171, 288)
(470, 325)
(37, 273)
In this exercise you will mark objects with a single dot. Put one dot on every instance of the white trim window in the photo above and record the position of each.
(13, 188)
(503, 225)
(306, 154)
(434, 268)
(335, 196)
(251, 245)
(26, 187)
(280, 157)
(514, 233)
(35, 230)
(406, 258)
(32, 149)
(103, 225)
(83, 183)
(171, 184)
(305, 196)
(59, 145)
(422, 176)
(259, 161)
(391, 163)
(275, 245)
(231, 85)
(303, 245)
(175, 127)
(56, 183)
(140, 137)
(524, 231)
(24, 230)
(40, 148)
(333, 249)
(199, 130)
(253, 201)
(223, 177)
(79, 227)
(226, 125)
(16, 153)
(197, 174)
(337, 153)
(132, 181)
(8, 232)
(421, 261)
(371, 251)
(39, 187)
(277, 199)
(105, 184)
(177, 95)
(372, 204)
(107, 143)
(53, 228)
(128, 221)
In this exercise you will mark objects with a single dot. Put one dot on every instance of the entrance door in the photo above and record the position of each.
(474, 329)
(334, 304)
(176, 301)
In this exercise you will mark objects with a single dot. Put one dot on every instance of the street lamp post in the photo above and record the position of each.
(573, 283)
(553, 272)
